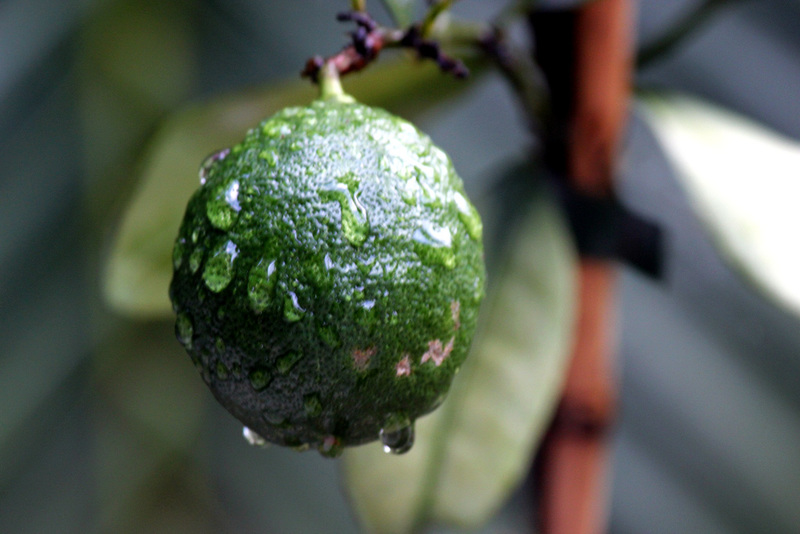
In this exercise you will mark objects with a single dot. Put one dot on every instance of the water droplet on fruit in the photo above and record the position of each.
(312, 405)
(398, 438)
(288, 360)
(469, 216)
(260, 378)
(223, 208)
(184, 330)
(210, 161)
(434, 245)
(355, 223)
(219, 269)
(292, 311)
(261, 284)
(254, 439)
(177, 253)
(196, 259)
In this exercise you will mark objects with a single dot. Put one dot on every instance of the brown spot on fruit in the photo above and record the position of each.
(437, 352)
(455, 311)
(361, 357)
(404, 366)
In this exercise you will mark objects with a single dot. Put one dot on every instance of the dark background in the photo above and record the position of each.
(105, 427)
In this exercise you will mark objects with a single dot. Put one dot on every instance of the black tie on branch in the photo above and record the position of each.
(605, 228)
(369, 38)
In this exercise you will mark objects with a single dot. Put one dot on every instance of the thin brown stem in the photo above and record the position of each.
(573, 475)
(369, 39)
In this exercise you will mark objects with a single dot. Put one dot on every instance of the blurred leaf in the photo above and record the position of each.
(471, 453)
(402, 11)
(140, 266)
(744, 182)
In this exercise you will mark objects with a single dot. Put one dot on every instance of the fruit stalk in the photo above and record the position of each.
(589, 108)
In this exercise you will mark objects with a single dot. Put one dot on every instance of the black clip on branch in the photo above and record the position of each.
(368, 39)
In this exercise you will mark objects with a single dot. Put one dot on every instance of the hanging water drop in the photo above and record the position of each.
(254, 439)
(398, 438)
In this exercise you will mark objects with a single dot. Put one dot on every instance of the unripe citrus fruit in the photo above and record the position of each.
(327, 277)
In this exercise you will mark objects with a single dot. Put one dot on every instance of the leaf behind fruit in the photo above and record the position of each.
(472, 452)
(139, 267)
(744, 181)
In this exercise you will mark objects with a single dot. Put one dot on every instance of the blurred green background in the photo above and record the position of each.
(104, 425)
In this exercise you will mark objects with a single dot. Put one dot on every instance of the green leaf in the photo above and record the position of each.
(139, 267)
(744, 181)
(472, 452)
(402, 11)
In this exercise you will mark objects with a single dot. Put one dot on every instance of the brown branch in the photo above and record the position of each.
(369, 39)
(589, 101)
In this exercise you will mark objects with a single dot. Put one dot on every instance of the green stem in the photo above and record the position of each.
(330, 85)
(358, 5)
(665, 43)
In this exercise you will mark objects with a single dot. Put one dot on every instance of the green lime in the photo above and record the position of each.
(328, 274)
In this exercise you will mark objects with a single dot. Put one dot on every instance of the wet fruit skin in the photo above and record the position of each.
(328, 275)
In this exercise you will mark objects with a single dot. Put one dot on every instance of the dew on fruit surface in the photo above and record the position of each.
(434, 245)
(288, 360)
(254, 439)
(355, 223)
(292, 311)
(196, 259)
(259, 378)
(469, 216)
(398, 436)
(210, 161)
(178, 252)
(312, 405)
(218, 272)
(261, 284)
(195, 236)
(184, 330)
(223, 208)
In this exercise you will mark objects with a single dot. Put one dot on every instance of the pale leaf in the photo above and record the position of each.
(744, 181)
